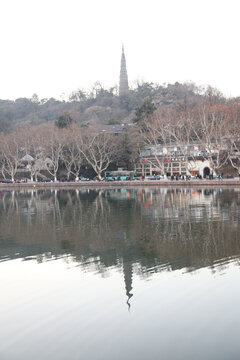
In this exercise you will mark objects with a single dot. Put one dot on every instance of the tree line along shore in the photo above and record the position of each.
(194, 126)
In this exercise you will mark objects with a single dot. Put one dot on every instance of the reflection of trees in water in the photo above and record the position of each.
(143, 230)
(192, 229)
(154, 228)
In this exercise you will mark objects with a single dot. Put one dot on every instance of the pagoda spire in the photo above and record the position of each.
(123, 83)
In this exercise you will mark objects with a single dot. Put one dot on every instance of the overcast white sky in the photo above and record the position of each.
(56, 46)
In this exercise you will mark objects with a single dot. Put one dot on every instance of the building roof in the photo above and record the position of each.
(27, 157)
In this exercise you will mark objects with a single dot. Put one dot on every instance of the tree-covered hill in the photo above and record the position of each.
(101, 106)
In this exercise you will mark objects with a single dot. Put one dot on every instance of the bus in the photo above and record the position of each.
(120, 175)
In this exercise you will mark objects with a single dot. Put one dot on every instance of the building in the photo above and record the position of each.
(174, 160)
(123, 81)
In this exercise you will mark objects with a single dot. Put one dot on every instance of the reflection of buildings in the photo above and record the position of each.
(120, 194)
(176, 202)
(159, 229)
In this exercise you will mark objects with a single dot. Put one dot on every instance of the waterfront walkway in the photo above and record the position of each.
(136, 183)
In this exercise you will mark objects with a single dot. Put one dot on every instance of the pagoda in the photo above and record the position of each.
(123, 83)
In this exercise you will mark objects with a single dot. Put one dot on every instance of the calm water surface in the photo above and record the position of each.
(120, 274)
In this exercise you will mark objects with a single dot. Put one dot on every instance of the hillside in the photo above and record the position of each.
(100, 106)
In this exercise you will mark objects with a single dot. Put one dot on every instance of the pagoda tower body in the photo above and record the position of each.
(123, 83)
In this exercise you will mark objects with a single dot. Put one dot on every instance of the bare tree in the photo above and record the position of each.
(210, 131)
(158, 133)
(52, 147)
(99, 150)
(71, 155)
(11, 151)
(32, 150)
(233, 137)
(2, 161)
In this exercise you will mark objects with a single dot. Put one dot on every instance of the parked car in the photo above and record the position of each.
(84, 179)
(149, 177)
(47, 180)
(153, 177)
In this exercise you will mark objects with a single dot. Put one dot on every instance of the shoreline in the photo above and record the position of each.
(113, 184)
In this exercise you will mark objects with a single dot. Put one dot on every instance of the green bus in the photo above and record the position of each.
(119, 175)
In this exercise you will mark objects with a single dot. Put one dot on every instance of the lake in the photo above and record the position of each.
(146, 273)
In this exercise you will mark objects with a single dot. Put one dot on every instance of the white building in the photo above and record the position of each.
(174, 160)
